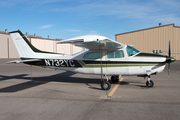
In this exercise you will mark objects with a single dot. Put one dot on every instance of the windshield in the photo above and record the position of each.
(131, 51)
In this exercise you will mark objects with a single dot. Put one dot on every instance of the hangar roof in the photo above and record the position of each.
(149, 29)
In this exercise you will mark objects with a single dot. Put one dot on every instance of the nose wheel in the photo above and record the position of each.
(149, 82)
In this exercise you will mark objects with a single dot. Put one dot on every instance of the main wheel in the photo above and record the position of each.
(150, 84)
(114, 78)
(105, 85)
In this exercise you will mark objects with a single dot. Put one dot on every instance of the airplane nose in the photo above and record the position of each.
(170, 59)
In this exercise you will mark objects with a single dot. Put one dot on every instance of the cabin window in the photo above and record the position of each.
(131, 51)
(115, 54)
(93, 55)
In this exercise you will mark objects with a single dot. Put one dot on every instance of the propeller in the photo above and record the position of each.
(169, 59)
(169, 53)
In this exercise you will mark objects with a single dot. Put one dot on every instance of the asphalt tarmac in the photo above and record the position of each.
(60, 95)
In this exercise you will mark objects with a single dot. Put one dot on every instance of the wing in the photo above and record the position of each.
(93, 42)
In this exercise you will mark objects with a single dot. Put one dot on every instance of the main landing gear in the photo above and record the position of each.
(149, 82)
(115, 78)
(105, 84)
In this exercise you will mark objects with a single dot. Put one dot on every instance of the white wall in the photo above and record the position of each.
(8, 49)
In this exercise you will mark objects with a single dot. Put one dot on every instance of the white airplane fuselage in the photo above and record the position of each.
(139, 64)
(102, 56)
(111, 60)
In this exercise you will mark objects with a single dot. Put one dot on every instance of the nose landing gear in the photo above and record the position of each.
(149, 82)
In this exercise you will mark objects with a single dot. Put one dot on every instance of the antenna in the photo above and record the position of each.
(112, 37)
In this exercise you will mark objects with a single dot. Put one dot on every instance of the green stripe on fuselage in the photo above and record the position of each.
(81, 62)
(89, 64)
(96, 64)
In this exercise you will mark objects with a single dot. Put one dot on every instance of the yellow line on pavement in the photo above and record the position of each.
(115, 87)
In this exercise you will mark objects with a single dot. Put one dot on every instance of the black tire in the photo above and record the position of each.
(114, 78)
(151, 84)
(105, 85)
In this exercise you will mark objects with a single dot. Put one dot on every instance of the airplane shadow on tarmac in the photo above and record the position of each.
(60, 77)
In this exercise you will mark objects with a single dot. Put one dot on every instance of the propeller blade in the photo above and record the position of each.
(169, 52)
(168, 69)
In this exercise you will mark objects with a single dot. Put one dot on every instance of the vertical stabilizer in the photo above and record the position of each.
(23, 46)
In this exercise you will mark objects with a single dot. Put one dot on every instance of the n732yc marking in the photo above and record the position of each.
(59, 62)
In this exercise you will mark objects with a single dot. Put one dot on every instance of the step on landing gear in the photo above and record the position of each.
(105, 84)
(149, 82)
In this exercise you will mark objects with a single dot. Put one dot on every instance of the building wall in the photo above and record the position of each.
(44, 44)
(4, 46)
(64, 48)
(52, 46)
(176, 37)
(156, 38)
(146, 40)
(8, 49)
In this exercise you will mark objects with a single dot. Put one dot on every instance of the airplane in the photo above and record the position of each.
(102, 56)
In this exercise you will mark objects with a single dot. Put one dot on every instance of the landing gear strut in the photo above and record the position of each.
(149, 82)
(105, 84)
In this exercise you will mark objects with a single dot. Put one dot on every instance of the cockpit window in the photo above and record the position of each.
(93, 55)
(115, 54)
(131, 51)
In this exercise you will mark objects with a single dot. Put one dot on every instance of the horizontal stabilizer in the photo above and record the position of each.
(23, 61)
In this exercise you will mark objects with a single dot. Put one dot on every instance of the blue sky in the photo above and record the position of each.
(68, 18)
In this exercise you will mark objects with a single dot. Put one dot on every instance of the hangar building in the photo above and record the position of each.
(154, 40)
(8, 49)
